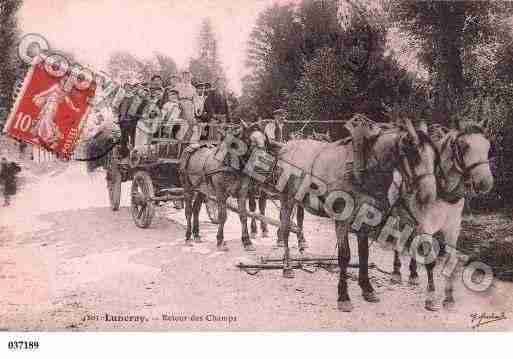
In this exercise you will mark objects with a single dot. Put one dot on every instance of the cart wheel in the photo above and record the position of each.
(212, 211)
(114, 182)
(142, 207)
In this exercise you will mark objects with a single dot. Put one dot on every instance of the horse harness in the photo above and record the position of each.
(206, 176)
(459, 165)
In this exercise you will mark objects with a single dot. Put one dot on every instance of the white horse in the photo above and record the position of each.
(464, 170)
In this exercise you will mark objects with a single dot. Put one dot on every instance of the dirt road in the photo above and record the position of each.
(67, 262)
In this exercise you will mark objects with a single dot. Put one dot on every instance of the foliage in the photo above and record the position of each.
(126, 67)
(453, 36)
(10, 66)
(275, 58)
(206, 66)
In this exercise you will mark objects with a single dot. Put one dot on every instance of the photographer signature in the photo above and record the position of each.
(481, 319)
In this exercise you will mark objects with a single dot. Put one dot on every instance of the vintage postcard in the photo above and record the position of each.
(256, 165)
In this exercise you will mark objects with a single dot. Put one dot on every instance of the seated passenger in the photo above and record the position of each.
(170, 114)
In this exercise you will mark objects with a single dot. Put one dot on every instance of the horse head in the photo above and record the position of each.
(252, 135)
(470, 154)
(418, 160)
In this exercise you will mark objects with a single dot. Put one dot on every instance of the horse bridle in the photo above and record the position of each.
(459, 163)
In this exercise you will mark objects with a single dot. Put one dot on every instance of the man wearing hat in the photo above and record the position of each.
(275, 129)
(127, 122)
(156, 82)
(200, 105)
(216, 103)
(131, 110)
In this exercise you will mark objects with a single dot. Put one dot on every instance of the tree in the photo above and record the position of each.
(10, 67)
(125, 67)
(447, 32)
(320, 26)
(274, 58)
(354, 74)
(326, 89)
(206, 66)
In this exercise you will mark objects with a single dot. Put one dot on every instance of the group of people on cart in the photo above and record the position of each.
(198, 105)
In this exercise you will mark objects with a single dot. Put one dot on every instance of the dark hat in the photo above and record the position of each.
(203, 85)
(153, 88)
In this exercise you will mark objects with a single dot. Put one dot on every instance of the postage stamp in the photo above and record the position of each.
(50, 110)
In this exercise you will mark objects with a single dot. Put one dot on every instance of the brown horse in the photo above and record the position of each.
(464, 170)
(206, 172)
(326, 167)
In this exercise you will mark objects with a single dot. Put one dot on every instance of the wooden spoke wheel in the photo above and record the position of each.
(114, 182)
(142, 206)
(212, 211)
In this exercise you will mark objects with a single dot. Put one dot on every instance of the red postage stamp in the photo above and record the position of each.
(49, 111)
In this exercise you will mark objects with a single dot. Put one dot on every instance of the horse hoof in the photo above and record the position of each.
(370, 297)
(265, 234)
(249, 248)
(431, 305)
(188, 243)
(253, 235)
(222, 248)
(414, 281)
(197, 239)
(345, 306)
(449, 304)
(288, 273)
(396, 279)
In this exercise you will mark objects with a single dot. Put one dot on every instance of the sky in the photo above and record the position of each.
(93, 29)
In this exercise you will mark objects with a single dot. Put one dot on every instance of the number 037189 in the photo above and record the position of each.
(22, 345)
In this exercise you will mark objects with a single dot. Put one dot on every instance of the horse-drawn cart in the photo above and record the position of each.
(153, 169)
